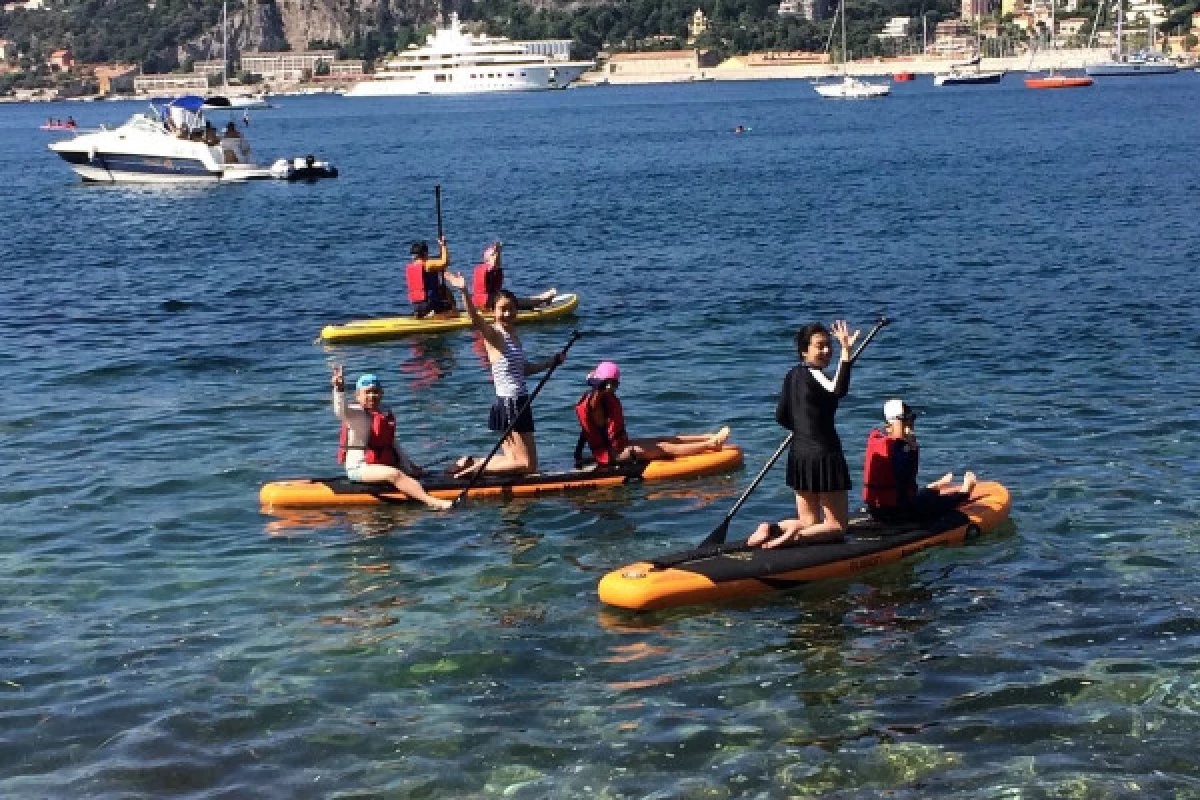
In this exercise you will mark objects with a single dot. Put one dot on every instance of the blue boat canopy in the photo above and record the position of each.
(189, 102)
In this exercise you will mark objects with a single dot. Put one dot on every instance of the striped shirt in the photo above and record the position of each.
(508, 368)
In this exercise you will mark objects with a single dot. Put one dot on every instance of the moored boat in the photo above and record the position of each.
(365, 330)
(731, 571)
(331, 492)
(453, 61)
(1053, 81)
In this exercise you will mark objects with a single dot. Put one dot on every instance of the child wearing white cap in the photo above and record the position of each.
(890, 473)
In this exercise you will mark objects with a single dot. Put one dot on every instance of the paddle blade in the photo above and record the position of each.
(718, 535)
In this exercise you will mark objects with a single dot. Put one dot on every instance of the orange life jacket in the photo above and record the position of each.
(381, 441)
(604, 442)
(880, 487)
(486, 281)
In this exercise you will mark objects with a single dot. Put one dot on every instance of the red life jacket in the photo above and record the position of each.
(381, 441)
(607, 442)
(486, 281)
(880, 488)
(414, 276)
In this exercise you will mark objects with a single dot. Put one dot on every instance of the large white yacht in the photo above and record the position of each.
(171, 143)
(456, 62)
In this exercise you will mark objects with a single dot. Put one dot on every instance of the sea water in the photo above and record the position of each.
(160, 636)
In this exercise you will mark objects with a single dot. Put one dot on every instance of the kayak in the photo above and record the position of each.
(365, 330)
(325, 492)
(708, 574)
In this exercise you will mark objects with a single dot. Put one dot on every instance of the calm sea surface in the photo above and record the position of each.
(159, 636)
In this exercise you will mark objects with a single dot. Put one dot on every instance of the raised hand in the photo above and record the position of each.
(456, 280)
(338, 380)
(841, 332)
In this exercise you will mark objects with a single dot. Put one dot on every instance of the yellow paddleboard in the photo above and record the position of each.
(364, 330)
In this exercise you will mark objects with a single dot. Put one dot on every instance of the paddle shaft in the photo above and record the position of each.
(721, 531)
(508, 432)
(437, 202)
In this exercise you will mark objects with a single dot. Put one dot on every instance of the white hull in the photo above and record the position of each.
(472, 80)
(852, 89)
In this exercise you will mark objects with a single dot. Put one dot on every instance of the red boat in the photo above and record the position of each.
(901, 77)
(1053, 81)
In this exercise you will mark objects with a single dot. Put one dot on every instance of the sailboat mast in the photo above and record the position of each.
(224, 44)
(1120, 29)
(845, 55)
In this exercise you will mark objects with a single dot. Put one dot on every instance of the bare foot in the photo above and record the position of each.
(438, 504)
(969, 481)
(464, 467)
(762, 533)
(718, 439)
(546, 297)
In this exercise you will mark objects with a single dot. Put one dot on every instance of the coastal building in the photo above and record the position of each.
(61, 60)
(286, 66)
(896, 28)
(346, 70)
(211, 67)
(699, 25)
(1012, 8)
(115, 78)
(1146, 12)
(972, 10)
(776, 58)
(7, 50)
(169, 83)
(660, 65)
(1072, 26)
(953, 38)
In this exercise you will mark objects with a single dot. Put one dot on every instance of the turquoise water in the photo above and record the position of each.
(159, 636)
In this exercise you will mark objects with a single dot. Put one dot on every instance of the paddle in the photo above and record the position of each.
(437, 202)
(721, 531)
(528, 402)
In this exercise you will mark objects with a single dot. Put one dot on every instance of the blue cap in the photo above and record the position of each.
(369, 381)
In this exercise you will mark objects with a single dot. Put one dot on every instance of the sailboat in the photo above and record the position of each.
(1052, 80)
(850, 88)
(1144, 62)
(962, 75)
(227, 100)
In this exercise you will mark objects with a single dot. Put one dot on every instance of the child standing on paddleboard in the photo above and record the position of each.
(511, 409)
(816, 469)
(368, 444)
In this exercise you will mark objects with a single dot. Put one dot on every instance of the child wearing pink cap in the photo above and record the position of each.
(602, 419)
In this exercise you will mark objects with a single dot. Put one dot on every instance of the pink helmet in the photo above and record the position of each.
(605, 371)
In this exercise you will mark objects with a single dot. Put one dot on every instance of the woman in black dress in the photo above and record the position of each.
(816, 469)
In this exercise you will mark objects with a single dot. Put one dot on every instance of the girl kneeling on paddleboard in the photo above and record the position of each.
(890, 473)
(816, 469)
(511, 409)
(487, 283)
(602, 419)
(368, 441)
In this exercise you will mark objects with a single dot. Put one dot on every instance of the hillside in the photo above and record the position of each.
(165, 34)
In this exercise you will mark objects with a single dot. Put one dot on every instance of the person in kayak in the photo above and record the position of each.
(890, 473)
(602, 420)
(368, 444)
(425, 277)
(488, 281)
(816, 468)
(509, 367)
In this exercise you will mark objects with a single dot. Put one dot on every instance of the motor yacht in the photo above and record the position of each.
(173, 142)
(456, 62)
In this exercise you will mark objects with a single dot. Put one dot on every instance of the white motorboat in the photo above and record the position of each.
(456, 62)
(850, 88)
(171, 143)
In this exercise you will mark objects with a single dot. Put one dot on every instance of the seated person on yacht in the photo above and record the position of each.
(426, 279)
(231, 131)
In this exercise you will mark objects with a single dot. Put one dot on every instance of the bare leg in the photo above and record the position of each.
(537, 300)
(518, 455)
(679, 446)
(379, 473)
(833, 507)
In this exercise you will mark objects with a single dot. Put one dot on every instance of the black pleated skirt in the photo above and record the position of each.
(823, 472)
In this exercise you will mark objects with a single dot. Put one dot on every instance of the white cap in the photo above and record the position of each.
(895, 409)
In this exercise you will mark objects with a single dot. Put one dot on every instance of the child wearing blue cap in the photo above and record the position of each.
(368, 444)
